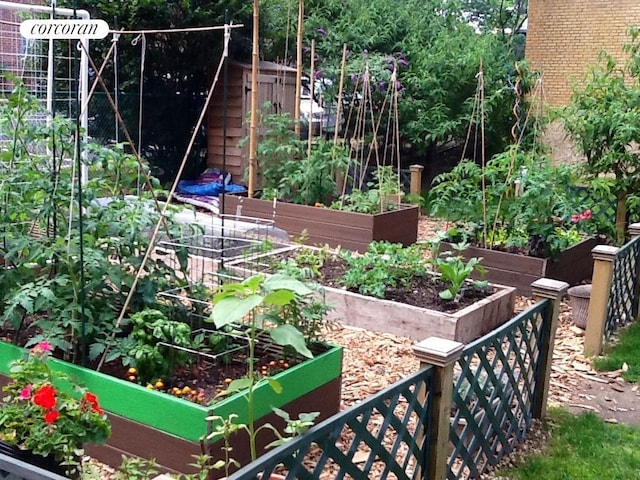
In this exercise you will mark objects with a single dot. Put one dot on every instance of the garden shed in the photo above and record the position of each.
(277, 85)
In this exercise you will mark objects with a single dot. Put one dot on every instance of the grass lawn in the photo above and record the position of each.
(627, 350)
(583, 447)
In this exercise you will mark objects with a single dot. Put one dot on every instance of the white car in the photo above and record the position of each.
(323, 117)
(310, 112)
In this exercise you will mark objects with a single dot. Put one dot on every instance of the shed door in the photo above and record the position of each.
(277, 89)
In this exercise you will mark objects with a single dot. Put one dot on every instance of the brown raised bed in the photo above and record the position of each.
(573, 266)
(349, 230)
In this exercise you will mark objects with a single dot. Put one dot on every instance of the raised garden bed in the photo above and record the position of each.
(152, 424)
(573, 265)
(416, 323)
(349, 230)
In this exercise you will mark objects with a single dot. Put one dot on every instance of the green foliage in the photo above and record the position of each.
(378, 197)
(518, 197)
(455, 272)
(305, 264)
(251, 302)
(581, 447)
(288, 173)
(41, 236)
(293, 426)
(152, 354)
(436, 55)
(625, 352)
(46, 413)
(383, 265)
(604, 121)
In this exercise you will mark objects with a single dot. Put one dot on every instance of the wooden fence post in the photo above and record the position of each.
(554, 290)
(442, 354)
(634, 230)
(416, 179)
(603, 257)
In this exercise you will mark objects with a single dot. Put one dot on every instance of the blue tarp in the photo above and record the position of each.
(191, 187)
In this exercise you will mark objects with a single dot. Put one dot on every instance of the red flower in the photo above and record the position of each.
(586, 215)
(92, 400)
(52, 416)
(45, 397)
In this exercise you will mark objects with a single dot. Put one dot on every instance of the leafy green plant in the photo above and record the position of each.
(247, 302)
(517, 195)
(154, 334)
(293, 426)
(47, 289)
(455, 271)
(45, 412)
(304, 265)
(604, 122)
(288, 173)
(383, 265)
(378, 197)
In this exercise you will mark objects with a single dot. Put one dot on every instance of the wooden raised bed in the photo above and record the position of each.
(404, 320)
(349, 230)
(573, 266)
(150, 424)
(418, 323)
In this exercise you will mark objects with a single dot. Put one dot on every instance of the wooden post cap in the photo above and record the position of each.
(438, 351)
(604, 252)
(419, 168)
(634, 229)
(548, 288)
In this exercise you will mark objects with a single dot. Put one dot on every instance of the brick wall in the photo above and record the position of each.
(11, 44)
(564, 37)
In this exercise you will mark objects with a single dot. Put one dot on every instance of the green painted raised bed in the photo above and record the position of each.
(156, 425)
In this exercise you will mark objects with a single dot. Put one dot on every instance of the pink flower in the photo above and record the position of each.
(42, 347)
(586, 215)
(25, 393)
(575, 218)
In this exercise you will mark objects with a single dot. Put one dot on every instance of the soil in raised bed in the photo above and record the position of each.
(201, 379)
(421, 291)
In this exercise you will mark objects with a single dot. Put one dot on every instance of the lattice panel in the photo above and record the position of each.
(622, 306)
(384, 437)
(496, 381)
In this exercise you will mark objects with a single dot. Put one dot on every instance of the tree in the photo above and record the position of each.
(438, 54)
(603, 119)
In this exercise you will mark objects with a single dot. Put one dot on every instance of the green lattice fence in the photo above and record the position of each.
(387, 432)
(493, 398)
(622, 305)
